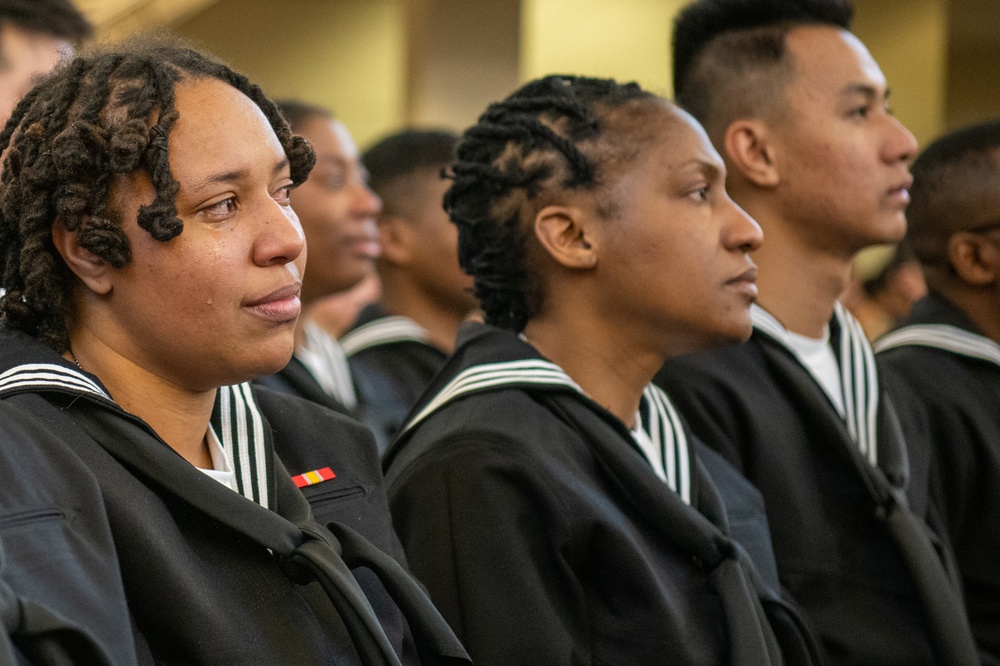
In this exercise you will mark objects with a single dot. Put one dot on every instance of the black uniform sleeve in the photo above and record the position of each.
(61, 594)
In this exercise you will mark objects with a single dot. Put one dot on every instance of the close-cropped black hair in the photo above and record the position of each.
(552, 134)
(104, 113)
(406, 151)
(56, 18)
(700, 22)
(942, 177)
(753, 33)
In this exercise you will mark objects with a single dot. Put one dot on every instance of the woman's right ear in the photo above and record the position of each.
(92, 271)
(563, 232)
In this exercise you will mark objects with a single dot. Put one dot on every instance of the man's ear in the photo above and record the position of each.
(563, 232)
(975, 258)
(750, 150)
(93, 271)
(396, 238)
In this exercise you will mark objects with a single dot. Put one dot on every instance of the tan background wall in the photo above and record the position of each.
(347, 55)
(909, 40)
(626, 39)
(462, 56)
(382, 64)
(973, 82)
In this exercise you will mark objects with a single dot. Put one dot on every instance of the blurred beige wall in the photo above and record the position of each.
(379, 64)
(909, 40)
(973, 89)
(625, 39)
(382, 64)
(347, 55)
(462, 56)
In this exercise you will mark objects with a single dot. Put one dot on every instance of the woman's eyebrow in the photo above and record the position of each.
(233, 176)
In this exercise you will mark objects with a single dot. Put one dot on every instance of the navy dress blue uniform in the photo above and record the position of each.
(61, 594)
(850, 538)
(545, 535)
(950, 376)
(223, 577)
(393, 362)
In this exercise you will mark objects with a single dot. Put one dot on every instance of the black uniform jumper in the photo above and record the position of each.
(296, 379)
(954, 371)
(61, 595)
(214, 576)
(545, 536)
(393, 362)
(845, 497)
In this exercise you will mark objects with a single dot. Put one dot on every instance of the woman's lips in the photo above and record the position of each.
(281, 305)
(746, 282)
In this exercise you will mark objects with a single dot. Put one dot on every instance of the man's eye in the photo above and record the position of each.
(700, 194)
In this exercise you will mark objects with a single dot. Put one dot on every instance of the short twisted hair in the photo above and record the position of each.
(105, 113)
(553, 134)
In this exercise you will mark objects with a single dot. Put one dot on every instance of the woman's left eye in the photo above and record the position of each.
(224, 207)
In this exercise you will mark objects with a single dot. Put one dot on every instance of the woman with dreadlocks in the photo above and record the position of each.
(152, 265)
(548, 496)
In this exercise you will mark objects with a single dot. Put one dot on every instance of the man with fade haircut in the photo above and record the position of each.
(399, 343)
(34, 35)
(948, 351)
(799, 110)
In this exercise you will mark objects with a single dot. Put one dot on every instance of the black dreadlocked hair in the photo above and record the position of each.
(550, 135)
(105, 113)
(721, 49)
(946, 177)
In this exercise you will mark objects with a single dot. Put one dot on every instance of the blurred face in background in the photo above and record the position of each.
(430, 248)
(24, 56)
(337, 212)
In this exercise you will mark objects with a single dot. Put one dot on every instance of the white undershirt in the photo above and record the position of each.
(818, 357)
(222, 470)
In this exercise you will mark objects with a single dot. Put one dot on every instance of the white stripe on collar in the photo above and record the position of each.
(49, 376)
(383, 330)
(858, 374)
(663, 426)
(238, 422)
(659, 418)
(942, 336)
